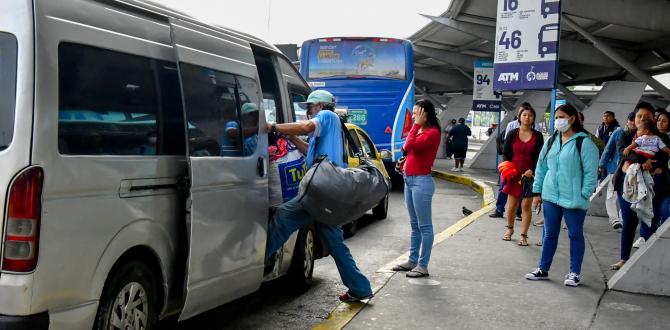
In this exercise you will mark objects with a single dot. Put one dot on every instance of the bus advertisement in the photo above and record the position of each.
(372, 80)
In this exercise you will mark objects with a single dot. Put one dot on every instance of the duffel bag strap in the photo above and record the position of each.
(352, 144)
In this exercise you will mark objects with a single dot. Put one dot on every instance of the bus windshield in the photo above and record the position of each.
(356, 59)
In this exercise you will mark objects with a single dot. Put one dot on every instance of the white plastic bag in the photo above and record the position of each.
(287, 167)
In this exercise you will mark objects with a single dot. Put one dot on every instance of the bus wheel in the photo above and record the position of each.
(129, 300)
(381, 211)
(302, 263)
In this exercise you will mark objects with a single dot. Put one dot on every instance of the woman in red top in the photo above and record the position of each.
(421, 148)
(522, 147)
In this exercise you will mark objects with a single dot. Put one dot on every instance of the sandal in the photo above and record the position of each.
(404, 267)
(417, 272)
(523, 240)
(617, 265)
(508, 234)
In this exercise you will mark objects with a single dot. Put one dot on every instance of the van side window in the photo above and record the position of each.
(222, 112)
(8, 45)
(298, 113)
(107, 102)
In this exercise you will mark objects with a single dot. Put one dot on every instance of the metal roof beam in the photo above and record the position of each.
(571, 97)
(450, 57)
(475, 30)
(651, 15)
(618, 58)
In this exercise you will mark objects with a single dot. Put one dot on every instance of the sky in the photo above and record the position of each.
(294, 21)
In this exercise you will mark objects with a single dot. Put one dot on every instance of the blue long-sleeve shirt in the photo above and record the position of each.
(610, 158)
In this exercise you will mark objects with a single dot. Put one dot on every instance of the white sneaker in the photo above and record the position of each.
(454, 169)
(572, 279)
(640, 241)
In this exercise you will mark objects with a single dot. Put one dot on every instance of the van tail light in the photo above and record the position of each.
(23, 222)
(407, 124)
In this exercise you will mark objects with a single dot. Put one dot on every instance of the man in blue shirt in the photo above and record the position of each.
(608, 165)
(326, 138)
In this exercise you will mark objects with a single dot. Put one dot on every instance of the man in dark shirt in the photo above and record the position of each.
(608, 126)
(459, 143)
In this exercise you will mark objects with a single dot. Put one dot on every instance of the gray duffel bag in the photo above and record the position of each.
(335, 196)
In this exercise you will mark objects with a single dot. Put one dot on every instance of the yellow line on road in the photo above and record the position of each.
(345, 312)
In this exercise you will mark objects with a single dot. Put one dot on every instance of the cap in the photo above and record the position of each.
(318, 96)
(631, 116)
(249, 107)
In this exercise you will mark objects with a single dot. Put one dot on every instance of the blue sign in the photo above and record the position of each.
(527, 37)
(483, 97)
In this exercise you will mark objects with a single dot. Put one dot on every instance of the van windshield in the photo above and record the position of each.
(8, 45)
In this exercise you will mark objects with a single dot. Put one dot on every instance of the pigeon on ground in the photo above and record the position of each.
(466, 212)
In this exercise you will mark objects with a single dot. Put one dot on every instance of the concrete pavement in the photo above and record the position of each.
(477, 281)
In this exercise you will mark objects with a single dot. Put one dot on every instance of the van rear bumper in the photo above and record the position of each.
(37, 321)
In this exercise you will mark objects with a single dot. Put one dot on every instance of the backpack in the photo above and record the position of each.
(578, 142)
(500, 142)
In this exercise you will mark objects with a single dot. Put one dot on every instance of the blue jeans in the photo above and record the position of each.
(664, 212)
(418, 197)
(502, 201)
(290, 217)
(630, 221)
(574, 219)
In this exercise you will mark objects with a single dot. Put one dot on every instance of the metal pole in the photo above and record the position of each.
(616, 57)
(552, 110)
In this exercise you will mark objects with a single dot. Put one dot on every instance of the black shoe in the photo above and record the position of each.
(496, 214)
(537, 274)
(518, 218)
(617, 225)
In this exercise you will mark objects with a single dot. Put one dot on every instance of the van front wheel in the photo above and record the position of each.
(129, 299)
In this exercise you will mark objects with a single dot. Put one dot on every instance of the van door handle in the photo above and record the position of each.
(260, 167)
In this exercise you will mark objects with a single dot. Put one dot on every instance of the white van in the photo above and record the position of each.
(134, 164)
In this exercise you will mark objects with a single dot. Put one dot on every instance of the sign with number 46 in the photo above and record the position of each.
(527, 35)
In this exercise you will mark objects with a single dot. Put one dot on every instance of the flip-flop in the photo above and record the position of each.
(401, 268)
(416, 274)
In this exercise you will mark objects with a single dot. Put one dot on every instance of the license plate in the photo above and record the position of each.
(358, 116)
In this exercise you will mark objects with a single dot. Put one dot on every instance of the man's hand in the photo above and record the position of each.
(601, 172)
(528, 173)
(626, 152)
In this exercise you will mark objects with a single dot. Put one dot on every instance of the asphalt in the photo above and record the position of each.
(477, 282)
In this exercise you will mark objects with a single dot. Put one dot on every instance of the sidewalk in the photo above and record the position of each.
(477, 282)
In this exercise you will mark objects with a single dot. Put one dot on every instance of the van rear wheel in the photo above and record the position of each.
(302, 263)
(129, 299)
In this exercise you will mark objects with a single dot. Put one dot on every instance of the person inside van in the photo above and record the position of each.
(324, 125)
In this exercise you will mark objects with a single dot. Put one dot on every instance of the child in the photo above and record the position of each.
(646, 144)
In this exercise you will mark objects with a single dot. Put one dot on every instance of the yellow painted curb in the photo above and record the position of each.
(345, 312)
(488, 196)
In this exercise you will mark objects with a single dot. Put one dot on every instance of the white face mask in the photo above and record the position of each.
(562, 125)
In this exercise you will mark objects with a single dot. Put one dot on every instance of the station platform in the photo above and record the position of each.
(477, 281)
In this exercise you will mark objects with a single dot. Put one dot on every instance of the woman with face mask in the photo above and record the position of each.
(657, 167)
(565, 178)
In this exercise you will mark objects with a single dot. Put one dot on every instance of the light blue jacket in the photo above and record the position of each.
(561, 179)
(610, 158)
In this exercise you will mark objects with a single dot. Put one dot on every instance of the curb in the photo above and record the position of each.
(345, 312)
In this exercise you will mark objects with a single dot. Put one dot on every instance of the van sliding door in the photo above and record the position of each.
(227, 164)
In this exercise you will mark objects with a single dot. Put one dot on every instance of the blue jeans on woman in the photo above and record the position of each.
(290, 217)
(630, 222)
(419, 191)
(574, 219)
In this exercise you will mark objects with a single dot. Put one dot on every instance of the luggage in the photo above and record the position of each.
(335, 196)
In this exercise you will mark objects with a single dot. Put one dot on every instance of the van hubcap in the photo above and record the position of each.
(309, 253)
(131, 308)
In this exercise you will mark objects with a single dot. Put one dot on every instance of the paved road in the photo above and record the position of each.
(375, 244)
